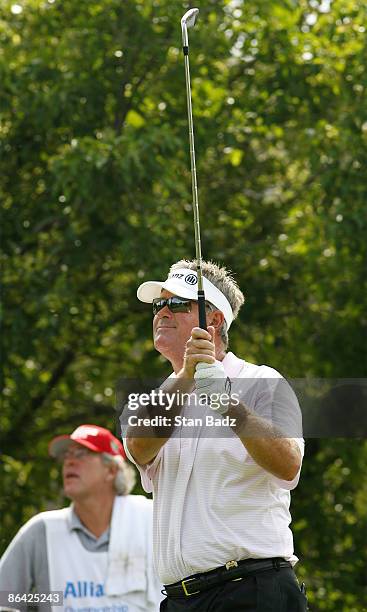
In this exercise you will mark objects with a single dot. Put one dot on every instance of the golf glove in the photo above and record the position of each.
(210, 379)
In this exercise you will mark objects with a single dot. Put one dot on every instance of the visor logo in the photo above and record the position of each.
(191, 279)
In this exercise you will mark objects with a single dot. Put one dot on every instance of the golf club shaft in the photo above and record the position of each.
(195, 199)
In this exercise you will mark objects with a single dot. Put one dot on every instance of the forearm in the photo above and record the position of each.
(151, 426)
(266, 444)
(279, 456)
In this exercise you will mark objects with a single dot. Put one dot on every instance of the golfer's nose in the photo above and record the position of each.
(164, 312)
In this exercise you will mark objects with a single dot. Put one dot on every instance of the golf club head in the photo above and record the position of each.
(188, 21)
(190, 17)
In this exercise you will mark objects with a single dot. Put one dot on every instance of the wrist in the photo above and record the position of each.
(217, 407)
(241, 414)
(186, 373)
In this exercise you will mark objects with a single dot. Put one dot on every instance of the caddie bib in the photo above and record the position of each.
(81, 574)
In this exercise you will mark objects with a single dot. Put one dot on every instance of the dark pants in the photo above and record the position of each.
(269, 591)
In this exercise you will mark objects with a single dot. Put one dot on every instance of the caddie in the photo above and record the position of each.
(222, 540)
(96, 552)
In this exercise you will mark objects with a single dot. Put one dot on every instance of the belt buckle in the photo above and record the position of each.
(185, 589)
(229, 565)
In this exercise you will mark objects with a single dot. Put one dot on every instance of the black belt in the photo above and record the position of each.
(233, 570)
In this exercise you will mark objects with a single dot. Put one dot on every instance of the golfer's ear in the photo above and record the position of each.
(216, 319)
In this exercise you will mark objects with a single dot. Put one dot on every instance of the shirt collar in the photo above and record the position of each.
(75, 524)
(233, 365)
(74, 521)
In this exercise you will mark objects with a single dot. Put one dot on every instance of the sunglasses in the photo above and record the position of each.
(175, 304)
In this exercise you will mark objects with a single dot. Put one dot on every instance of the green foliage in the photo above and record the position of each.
(95, 191)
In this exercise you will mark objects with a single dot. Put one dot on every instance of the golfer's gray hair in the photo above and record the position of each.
(224, 281)
(125, 476)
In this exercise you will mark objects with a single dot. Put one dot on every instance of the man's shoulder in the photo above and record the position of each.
(38, 521)
(49, 515)
(265, 371)
(140, 503)
(252, 370)
(30, 533)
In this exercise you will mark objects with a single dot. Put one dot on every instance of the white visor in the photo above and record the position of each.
(183, 283)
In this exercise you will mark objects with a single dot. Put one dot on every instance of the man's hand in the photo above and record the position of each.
(211, 379)
(199, 349)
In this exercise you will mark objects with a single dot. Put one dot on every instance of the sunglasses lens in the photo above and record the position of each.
(180, 305)
(158, 304)
(175, 304)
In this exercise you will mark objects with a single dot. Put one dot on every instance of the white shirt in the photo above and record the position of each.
(212, 502)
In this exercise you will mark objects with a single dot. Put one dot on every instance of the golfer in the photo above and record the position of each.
(222, 540)
(96, 552)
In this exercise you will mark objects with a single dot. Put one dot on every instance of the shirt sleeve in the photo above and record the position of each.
(277, 402)
(147, 471)
(24, 566)
(289, 485)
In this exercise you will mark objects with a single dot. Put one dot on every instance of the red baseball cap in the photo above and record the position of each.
(97, 439)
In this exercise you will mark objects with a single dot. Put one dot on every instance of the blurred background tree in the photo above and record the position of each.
(95, 192)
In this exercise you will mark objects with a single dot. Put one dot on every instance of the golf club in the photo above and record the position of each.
(188, 21)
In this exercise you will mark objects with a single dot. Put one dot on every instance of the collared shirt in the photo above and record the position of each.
(28, 563)
(90, 542)
(24, 564)
(212, 502)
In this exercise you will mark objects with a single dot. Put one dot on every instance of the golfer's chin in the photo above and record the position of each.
(164, 339)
